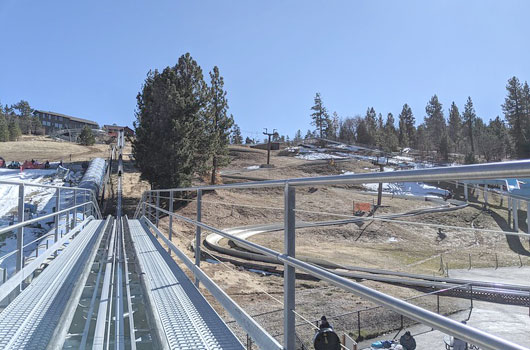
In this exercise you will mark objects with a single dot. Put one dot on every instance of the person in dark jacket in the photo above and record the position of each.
(324, 323)
(408, 341)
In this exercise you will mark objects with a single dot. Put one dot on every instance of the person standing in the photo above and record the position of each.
(408, 341)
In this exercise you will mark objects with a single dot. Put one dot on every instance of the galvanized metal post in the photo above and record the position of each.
(149, 209)
(515, 205)
(20, 231)
(68, 220)
(289, 274)
(466, 194)
(198, 235)
(74, 221)
(170, 219)
(157, 211)
(57, 217)
(528, 216)
(84, 206)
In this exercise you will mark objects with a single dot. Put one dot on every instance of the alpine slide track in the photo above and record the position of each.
(101, 283)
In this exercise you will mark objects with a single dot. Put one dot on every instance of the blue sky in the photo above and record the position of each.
(89, 58)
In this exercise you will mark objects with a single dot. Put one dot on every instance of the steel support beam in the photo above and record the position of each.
(289, 274)
(198, 235)
(170, 234)
(515, 204)
(58, 217)
(157, 212)
(20, 231)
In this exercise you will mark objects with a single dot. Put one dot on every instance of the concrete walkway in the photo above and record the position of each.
(505, 321)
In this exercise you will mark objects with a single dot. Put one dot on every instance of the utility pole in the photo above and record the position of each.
(381, 161)
(274, 132)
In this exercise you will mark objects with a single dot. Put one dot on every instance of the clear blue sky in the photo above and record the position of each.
(89, 58)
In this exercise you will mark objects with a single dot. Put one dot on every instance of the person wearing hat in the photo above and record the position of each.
(407, 341)
(324, 323)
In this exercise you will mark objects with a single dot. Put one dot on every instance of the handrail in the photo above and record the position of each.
(47, 216)
(32, 184)
(441, 323)
(18, 277)
(463, 172)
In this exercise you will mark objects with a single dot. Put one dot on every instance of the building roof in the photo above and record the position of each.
(81, 120)
(106, 126)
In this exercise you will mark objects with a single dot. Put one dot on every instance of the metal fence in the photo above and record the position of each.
(72, 210)
(150, 206)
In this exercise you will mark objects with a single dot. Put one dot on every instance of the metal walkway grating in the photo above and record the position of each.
(29, 321)
(188, 320)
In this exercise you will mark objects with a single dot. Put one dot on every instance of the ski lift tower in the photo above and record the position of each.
(381, 160)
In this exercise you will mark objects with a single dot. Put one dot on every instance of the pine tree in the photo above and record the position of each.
(370, 122)
(407, 129)
(236, 138)
(362, 134)
(86, 138)
(297, 136)
(332, 128)
(320, 115)
(25, 113)
(435, 123)
(220, 123)
(14, 130)
(347, 129)
(4, 130)
(514, 112)
(170, 125)
(391, 141)
(308, 135)
(469, 119)
(454, 128)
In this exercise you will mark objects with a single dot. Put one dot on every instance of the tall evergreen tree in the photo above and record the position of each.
(469, 119)
(236, 138)
(170, 124)
(435, 123)
(14, 130)
(391, 141)
(407, 128)
(347, 129)
(25, 114)
(514, 112)
(454, 128)
(297, 136)
(220, 123)
(332, 128)
(4, 130)
(370, 124)
(320, 115)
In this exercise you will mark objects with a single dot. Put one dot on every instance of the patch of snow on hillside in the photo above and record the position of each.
(408, 189)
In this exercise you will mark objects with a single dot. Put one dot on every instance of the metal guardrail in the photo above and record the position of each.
(87, 207)
(446, 325)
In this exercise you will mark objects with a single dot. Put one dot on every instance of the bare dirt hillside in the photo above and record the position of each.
(43, 148)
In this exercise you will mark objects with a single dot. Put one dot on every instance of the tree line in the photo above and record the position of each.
(461, 131)
(18, 119)
(182, 125)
